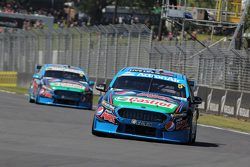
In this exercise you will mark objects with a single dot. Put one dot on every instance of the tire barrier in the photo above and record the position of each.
(8, 78)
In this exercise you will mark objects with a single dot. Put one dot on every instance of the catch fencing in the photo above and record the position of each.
(100, 50)
(222, 74)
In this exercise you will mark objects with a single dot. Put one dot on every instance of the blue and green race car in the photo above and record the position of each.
(149, 104)
(61, 85)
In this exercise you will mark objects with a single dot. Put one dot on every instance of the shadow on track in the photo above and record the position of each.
(196, 144)
(204, 144)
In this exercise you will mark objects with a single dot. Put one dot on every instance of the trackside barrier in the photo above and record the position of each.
(224, 102)
(216, 101)
(244, 106)
(203, 92)
(8, 78)
(231, 104)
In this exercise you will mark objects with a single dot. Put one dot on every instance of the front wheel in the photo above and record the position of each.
(193, 128)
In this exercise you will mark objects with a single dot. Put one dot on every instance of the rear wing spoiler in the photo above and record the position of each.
(37, 68)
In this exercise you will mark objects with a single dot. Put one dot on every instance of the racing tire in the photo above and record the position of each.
(193, 130)
(31, 100)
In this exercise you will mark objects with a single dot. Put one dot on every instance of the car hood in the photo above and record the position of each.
(145, 100)
(62, 84)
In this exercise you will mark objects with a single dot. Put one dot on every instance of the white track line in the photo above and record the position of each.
(224, 129)
(5, 91)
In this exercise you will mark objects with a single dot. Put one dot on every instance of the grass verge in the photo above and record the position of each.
(21, 90)
(225, 122)
(206, 119)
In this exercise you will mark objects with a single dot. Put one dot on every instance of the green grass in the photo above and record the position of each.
(225, 122)
(17, 90)
(20, 90)
(206, 119)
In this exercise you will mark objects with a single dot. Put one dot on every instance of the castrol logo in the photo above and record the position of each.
(140, 100)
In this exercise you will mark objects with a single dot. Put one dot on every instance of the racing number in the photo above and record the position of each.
(180, 86)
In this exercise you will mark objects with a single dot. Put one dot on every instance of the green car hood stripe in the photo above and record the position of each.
(67, 86)
(145, 103)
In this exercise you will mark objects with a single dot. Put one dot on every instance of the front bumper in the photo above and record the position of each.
(76, 103)
(120, 129)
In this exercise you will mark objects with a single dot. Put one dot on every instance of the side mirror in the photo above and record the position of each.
(197, 100)
(101, 87)
(37, 68)
(36, 76)
(91, 83)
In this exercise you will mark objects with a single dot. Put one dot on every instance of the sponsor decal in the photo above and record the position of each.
(108, 117)
(59, 68)
(70, 85)
(128, 74)
(182, 124)
(99, 110)
(140, 100)
(167, 78)
(170, 126)
(125, 93)
(45, 93)
(159, 71)
(141, 123)
(155, 96)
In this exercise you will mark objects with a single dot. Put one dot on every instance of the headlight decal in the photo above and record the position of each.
(107, 105)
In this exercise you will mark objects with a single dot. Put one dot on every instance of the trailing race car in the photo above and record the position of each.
(148, 103)
(62, 85)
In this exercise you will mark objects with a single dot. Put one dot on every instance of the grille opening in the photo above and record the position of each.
(68, 94)
(140, 130)
(142, 115)
(67, 102)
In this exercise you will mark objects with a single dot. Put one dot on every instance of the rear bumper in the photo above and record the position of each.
(53, 101)
(180, 136)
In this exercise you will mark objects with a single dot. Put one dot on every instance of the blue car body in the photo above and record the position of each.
(149, 104)
(61, 85)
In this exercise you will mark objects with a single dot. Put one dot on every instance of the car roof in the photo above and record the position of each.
(152, 71)
(63, 66)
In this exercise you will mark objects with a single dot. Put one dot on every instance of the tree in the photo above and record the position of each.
(247, 20)
(94, 7)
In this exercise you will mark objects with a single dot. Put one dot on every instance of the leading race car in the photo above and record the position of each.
(148, 103)
(62, 85)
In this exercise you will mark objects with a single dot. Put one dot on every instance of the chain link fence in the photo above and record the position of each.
(103, 50)
(100, 50)
(214, 66)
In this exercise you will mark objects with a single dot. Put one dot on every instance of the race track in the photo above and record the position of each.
(40, 136)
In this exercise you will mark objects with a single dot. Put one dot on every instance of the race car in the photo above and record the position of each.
(149, 104)
(61, 85)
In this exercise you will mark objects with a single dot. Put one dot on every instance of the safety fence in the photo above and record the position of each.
(100, 50)
(215, 65)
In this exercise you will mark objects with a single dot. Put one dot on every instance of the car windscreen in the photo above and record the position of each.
(151, 85)
(65, 75)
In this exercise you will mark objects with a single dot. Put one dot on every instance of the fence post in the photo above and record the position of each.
(138, 49)
(238, 105)
(116, 53)
(98, 54)
(128, 49)
(106, 57)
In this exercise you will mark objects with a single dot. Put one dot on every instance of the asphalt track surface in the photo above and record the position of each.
(46, 136)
